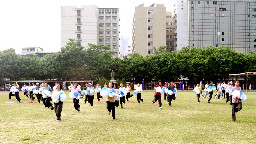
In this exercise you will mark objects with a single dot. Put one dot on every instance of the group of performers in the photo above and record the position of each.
(119, 95)
(232, 93)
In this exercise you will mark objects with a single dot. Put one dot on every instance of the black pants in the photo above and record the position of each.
(210, 96)
(31, 95)
(230, 98)
(157, 98)
(111, 107)
(122, 100)
(198, 97)
(165, 95)
(86, 99)
(10, 95)
(171, 97)
(39, 96)
(76, 104)
(90, 99)
(227, 95)
(48, 103)
(116, 103)
(235, 108)
(58, 108)
(98, 96)
(223, 93)
(139, 97)
(128, 96)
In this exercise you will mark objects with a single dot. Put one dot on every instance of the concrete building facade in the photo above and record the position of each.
(90, 24)
(170, 29)
(149, 28)
(230, 23)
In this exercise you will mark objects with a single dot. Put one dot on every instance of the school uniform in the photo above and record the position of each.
(228, 89)
(117, 97)
(38, 93)
(90, 91)
(98, 92)
(223, 86)
(206, 91)
(31, 95)
(138, 91)
(171, 97)
(157, 97)
(86, 96)
(111, 105)
(198, 91)
(236, 103)
(210, 90)
(14, 90)
(58, 97)
(75, 95)
(46, 94)
(122, 97)
(219, 92)
(128, 89)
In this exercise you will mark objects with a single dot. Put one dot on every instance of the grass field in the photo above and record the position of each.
(185, 122)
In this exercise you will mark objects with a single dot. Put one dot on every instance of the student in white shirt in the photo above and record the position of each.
(138, 91)
(122, 97)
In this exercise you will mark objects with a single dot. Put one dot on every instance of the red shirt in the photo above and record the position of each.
(158, 93)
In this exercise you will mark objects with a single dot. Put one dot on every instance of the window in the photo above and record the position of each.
(114, 17)
(108, 11)
(150, 19)
(223, 9)
(78, 36)
(168, 16)
(114, 11)
(114, 47)
(168, 30)
(168, 23)
(107, 39)
(150, 51)
(101, 11)
(254, 40)
(168, 43)
(78, 28)
(101, 18)
(150, 28)
(254, 9)
(78, 20)
(108, 32)
(101, 24)
(113, 32)
(217, 45)
(222, 33)
(108, 24)
(254, 16)
(168, 36)
(254, 46)
(101, 39)
(114, 39)
(101, 32)
(150, 43)
(150, 12)
(114, 24)
(108, 18)
(207, 2)
(198, 2)
(222, 39)
(214, 2)
(150, 36)
(192, 2)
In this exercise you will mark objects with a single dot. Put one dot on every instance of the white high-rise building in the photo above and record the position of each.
(91, 24)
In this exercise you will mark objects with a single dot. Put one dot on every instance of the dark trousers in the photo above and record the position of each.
(26, 94)
(10, 95)
(111, 107)
(128, 96)
(122, 100)
(165, 95)
(210, 96)
(157, 98)
(58, 108)
(227, 95)
(98, 96)
(90, 99)
(116, 103)
(39, 96)
(86, 98)
(223, 93)
(76, 104)
(139, 97)
(31, 95)
(48, 103)
(170, 98)
(235, 108)
(198, 97)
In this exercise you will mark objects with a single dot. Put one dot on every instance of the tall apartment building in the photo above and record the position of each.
(230, 23)
(170, 29)
(91, 24)
(149, 28)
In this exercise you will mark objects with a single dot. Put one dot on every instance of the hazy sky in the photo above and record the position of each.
(28, 23)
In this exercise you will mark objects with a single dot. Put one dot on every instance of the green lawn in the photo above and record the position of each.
(185, 122)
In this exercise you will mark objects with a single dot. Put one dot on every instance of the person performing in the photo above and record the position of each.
(128, 89)
(47, 96)
(228, 89)
(164, 88)
(236, 100)
(198, 90)
(138, 92)
(157, 96)
(90, 91)
(98, 88)
(210, 89)
(75, 95)
(123, 92)
(110, 94)
(206, 90)
(14, 91)
(171, 93)
(37, 92)
(58, 97)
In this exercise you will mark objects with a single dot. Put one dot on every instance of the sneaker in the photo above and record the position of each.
(142, 100)
(208, 101)
(160, 108)
(58, 119)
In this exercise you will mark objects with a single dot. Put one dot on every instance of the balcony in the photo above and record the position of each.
(78, 23)
(78, 31)
(78, 15)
